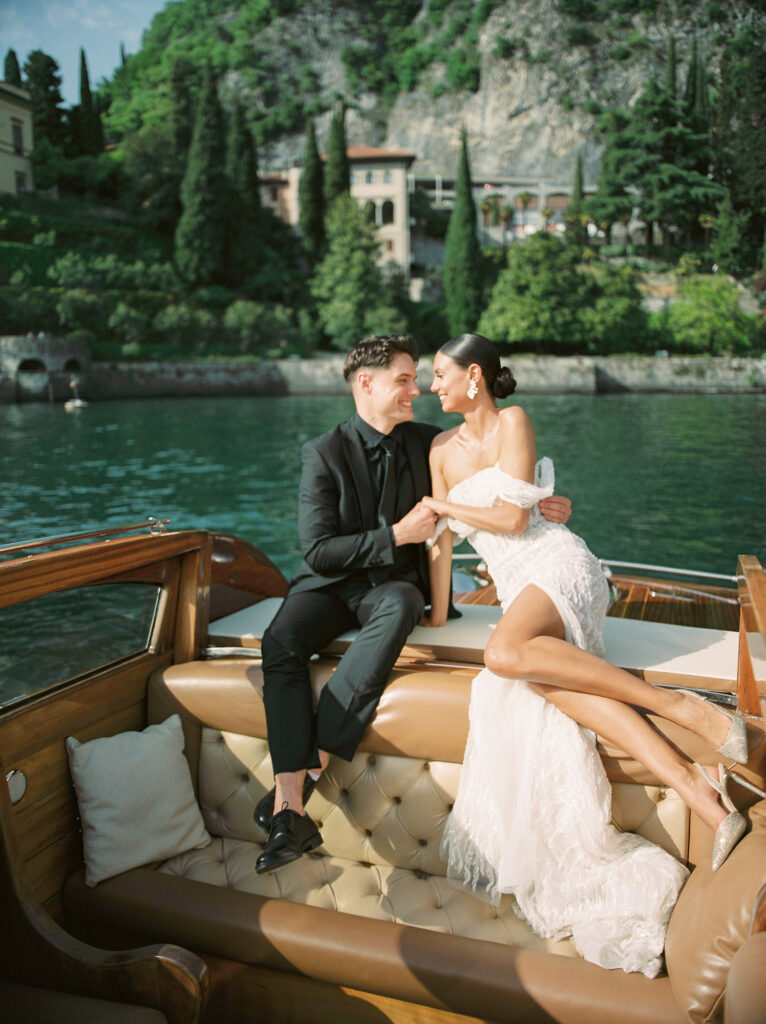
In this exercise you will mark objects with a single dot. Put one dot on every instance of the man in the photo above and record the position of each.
(361, 526)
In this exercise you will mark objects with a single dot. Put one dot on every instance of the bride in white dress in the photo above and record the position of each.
(532, 814)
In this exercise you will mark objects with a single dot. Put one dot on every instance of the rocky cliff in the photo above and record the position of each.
(544, 77)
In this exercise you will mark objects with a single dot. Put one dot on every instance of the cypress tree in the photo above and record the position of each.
(89, 121)
(670, 69)
(11, 70)
(242, 173)
(337, 176)
(44, 84)
(201, 236)
(690, 92)
(182, 109)
(462, 254)
(311, 199)
(576, 231)
(123, 55)
(242, 162)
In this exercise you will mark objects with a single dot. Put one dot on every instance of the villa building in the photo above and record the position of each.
(382, 182)
(15, 139)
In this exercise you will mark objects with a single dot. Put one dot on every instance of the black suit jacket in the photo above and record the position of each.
(338, 524)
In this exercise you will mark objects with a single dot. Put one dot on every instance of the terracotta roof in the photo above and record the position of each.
(371, 153)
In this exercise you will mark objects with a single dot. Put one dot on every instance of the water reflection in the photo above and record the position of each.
(674, 479)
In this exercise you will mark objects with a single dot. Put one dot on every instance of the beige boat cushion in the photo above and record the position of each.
(660, 652)
(135, 797)
(382, 818)
(711, 920)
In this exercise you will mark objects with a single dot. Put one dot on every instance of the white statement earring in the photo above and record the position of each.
(473, 390)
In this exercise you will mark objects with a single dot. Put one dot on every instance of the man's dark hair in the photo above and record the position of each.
(377, 352)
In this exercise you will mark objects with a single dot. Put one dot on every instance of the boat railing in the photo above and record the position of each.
(151, 523)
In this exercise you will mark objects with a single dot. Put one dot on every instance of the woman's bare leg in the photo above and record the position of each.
(625, 727)
(528, 643)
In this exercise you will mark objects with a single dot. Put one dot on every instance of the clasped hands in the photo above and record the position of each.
(419, 523)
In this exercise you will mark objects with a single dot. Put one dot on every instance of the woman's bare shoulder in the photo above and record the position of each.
(444, 438)
(514, 420)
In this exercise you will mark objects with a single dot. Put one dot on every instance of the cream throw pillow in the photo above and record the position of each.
(136, 800)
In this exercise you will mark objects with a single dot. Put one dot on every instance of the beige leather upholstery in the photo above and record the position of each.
(745, 998)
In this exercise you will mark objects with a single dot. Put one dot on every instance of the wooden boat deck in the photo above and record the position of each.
(651, 599)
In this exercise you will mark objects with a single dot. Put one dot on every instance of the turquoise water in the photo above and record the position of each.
(669, 479)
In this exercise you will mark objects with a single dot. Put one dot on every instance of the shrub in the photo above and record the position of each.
(128, 324)
(79, 308)
(707, 318)
(183, 327)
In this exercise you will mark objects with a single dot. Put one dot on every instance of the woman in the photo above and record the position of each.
(532, 815)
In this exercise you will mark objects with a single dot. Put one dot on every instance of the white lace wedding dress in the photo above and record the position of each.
(532, 814)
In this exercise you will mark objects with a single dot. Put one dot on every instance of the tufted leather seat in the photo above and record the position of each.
(371, 909)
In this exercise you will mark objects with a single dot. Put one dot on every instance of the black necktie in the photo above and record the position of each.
(387, 503)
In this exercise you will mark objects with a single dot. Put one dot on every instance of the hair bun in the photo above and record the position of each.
(504, 384)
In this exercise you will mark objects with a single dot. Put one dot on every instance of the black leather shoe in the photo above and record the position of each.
(264, 809)
(290, 836)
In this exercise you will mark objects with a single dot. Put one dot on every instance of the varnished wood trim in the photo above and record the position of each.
(27, 578)
(751, 584)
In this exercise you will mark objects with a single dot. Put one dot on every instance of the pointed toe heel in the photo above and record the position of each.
(735, 746)
(733, 826)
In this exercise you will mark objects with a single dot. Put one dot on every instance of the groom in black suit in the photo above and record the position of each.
(361, 528)
(361, 525)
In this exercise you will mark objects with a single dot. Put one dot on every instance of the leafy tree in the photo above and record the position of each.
(537, 300)
(311, 199)
(44, 84)
(337, 175)
(739, 134)
(348, 283)
(11, 69)
(462, 255)
(612, 203)
(202, 235)
(727, 246)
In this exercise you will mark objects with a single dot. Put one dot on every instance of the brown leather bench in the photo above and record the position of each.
(368, 925)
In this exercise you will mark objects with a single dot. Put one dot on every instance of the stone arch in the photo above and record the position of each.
(387, 212)
(370, 211)
(72, 366)
(31, 366)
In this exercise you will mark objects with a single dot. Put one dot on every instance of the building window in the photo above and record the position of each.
(21, 181)
(273, 193)
(369, 178)
(352, 178)
(389, 245)
(387, 177)
(18, 139)
(369, 211)
(388, 212)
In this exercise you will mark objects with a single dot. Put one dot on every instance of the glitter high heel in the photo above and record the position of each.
(735, 746)
(733, 826)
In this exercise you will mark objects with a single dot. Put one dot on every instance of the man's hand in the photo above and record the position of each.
(556, 509)
(417, 526)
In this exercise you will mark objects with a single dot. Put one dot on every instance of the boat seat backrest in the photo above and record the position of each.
(389, 805)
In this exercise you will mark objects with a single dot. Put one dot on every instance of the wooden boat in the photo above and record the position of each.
(106, 636)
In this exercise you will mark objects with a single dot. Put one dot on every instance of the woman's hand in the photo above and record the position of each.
(433, 623)
(439, 507)
(556, 509)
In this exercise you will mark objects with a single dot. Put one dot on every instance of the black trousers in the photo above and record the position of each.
(306, 623)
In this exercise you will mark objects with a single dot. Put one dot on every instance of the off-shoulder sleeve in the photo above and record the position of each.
(523, 494)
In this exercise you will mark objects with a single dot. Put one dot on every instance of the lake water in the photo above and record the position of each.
(668, 479)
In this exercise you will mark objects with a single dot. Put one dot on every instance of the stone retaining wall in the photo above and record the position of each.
(543, 374)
